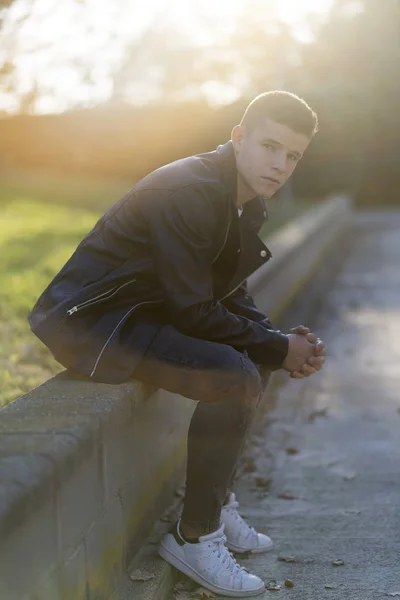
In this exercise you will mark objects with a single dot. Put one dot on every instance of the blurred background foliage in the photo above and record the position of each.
(154, 102)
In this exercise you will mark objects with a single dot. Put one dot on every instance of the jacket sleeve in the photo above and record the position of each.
(183, 231)
(241, 303)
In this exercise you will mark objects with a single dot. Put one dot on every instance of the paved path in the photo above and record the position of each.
(333, 442)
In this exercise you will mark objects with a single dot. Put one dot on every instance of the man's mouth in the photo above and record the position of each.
(272, 180)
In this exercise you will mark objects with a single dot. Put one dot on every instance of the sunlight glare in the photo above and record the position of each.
(70, 49)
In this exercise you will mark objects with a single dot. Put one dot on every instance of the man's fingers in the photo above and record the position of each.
(308, 370)
(314, 363)
(316, 360)
(300, 329)
(305, 371)
(320, 352)
(297, 375)
(312, 338)
(318, 343)
(318, 367)
(320, 349)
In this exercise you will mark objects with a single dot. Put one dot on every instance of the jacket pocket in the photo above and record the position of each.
(99, 298)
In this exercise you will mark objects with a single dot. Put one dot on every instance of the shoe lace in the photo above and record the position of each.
(226, 557)
(233, 508)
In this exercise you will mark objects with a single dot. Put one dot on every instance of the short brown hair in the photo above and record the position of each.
(285, 108)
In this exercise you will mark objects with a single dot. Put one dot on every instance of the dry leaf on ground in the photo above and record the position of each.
(273, 586)
(180, 595)
(141, 575)
(248, 464)
(295, 559)
(201, 594)
(263, 482)
(288, 496)
(184, 585)
(289, 559)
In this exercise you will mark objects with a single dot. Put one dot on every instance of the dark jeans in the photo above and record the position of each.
(228, 386)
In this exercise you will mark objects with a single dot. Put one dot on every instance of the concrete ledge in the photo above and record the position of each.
(86, 468)
(299, 249)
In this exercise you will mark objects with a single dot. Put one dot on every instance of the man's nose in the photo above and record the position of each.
(279, 161)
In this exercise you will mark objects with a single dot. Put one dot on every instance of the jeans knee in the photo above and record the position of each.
(251, 378)
(240, 381)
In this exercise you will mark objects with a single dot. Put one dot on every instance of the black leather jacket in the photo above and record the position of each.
(174, 250)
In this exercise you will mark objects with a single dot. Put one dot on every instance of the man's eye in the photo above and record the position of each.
(294, 157)
(269, 146)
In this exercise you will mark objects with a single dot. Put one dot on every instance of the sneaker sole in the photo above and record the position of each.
(179, 564)
(241, 550)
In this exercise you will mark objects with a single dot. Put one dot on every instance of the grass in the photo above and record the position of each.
(41, 222)
(42, 219)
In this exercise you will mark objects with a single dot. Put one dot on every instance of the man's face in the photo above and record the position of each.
(267, 156)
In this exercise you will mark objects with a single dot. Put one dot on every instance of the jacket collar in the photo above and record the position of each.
(254, 211)
(227, 161)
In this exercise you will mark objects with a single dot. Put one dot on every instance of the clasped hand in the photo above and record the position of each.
(306, 353)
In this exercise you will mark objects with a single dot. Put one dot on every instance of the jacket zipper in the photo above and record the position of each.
(126, 315)
(223, 245)
(234, 290)
(100, 297)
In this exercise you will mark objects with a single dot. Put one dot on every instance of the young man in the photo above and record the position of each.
(157, 292)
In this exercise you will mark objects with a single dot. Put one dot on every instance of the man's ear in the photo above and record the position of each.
(237, 136)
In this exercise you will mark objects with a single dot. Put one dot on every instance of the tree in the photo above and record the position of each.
(350, 74)
(253, 56)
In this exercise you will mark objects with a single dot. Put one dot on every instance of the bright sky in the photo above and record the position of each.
(61, 40)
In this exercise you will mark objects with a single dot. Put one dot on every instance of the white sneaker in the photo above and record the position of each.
(240, 536)
(210, 563)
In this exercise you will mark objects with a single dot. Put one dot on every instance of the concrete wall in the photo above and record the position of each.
(86, 468)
